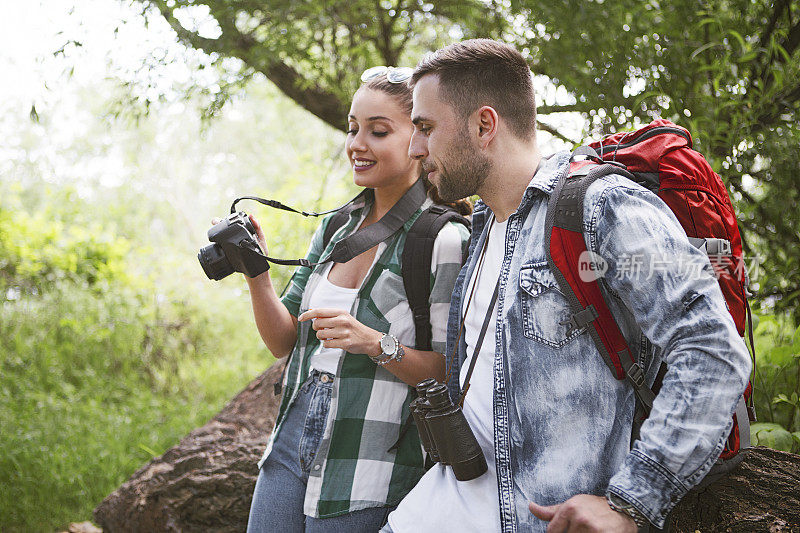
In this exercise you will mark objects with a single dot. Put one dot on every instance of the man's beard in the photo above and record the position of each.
(465, 172)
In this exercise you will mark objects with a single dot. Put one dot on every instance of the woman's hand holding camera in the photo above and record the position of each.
(262, 241)
(339, 329)
(246, 260)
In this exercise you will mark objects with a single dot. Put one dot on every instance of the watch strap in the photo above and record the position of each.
(620, 505)
(396, 356)
(380, 359)
(384, 357)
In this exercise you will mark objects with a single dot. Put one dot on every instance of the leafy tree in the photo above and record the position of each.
(315, 51)
(58, 244)
(729, 70)
(777, 380)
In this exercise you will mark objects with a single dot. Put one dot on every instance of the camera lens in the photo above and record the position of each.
(214, 262)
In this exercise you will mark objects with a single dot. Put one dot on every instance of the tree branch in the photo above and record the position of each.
(793, 39)
(320, 102)
(770, 27)
(552, 131)
(323, 104)
(547, 109)
(789, 45)
(185, 36)
(384, 40)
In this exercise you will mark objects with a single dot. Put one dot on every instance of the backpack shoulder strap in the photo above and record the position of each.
(337, 220)
(416, 266)
(566, 250)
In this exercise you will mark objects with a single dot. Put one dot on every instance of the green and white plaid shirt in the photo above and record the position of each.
(353, 468)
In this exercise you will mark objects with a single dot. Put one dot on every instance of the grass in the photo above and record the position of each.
(94, 384)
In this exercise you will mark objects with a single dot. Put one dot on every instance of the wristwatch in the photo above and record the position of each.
(391, 350)
(621, 506)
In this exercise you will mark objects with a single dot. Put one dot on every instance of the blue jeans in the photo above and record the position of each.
(281, 486)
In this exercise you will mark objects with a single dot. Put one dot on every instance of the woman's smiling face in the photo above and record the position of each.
(379, 131)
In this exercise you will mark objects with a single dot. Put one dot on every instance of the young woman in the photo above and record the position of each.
(338, 459)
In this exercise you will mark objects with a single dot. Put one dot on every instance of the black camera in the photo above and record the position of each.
(445, 433)
(234, 248)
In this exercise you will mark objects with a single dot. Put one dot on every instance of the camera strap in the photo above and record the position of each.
(277, 205)
(363, 239)
(486, 320)
(479, 342)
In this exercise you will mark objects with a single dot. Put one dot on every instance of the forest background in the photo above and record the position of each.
(125, 126)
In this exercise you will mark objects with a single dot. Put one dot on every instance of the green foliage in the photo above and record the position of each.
(728, 70)
(777, 383)
(773, 436)
(40, 248)
(101, 367)
(302, 46)
(94, 384)
(113, 344)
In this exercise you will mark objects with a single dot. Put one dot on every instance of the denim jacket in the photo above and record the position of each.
(562, 422)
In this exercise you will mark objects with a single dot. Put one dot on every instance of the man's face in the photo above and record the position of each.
(442, 141)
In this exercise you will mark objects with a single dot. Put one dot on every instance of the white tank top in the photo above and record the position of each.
(328, 295)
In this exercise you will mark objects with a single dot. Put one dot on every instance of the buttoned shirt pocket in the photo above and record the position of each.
(545, 309)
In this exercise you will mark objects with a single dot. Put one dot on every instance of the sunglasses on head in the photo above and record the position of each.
(393, 74)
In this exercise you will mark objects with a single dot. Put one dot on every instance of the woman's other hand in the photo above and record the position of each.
(339, 329)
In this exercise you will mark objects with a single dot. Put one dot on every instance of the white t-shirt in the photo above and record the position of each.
(440, 502)
(328, 295)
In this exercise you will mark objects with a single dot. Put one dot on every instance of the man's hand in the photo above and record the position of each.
(583, 512)
(339, 329)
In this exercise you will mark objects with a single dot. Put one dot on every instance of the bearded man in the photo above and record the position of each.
(553, 424)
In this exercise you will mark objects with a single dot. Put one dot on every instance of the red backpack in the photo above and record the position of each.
(659, 157)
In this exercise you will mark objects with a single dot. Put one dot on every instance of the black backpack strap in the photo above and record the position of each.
(338, 220)
(416, 266)
(416, 272)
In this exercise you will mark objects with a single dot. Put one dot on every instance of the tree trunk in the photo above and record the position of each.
(761, 494)
(205, 483)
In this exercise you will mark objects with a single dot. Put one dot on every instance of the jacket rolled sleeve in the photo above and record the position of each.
(669, 287)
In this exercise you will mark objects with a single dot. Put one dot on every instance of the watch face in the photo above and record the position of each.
(388, 344)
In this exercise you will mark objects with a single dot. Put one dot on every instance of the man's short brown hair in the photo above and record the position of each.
(482, 72)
